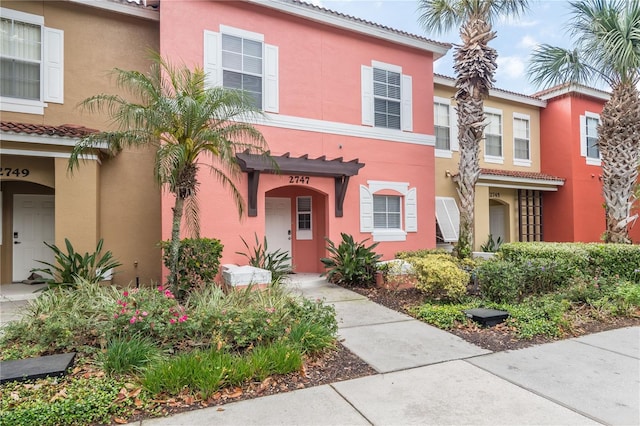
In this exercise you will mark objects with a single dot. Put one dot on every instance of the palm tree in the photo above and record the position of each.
(606, 37)
(184, 122)
(475, 65)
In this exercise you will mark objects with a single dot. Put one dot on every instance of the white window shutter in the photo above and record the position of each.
(367, 95)
(583, 135)
(366, 209)
(411, 211)
(406, 114)
(212, 58)
(53, 65)
(271, 102)
(448, 217)
(453, 126)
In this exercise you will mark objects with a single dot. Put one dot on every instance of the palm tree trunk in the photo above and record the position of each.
(620, 151)
(174, 247)
(475, 66)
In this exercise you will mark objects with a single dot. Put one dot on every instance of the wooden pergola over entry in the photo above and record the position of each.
(341, 171)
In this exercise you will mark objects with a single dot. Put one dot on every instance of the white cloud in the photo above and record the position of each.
(511, 21)
(512, 67)
(528, 42)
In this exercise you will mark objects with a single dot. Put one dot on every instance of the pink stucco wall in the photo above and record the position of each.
(319, 78)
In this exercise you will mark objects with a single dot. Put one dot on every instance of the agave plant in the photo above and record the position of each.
(71, 267)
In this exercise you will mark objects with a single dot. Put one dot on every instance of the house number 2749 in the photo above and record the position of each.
(8, 171)
(299, 179)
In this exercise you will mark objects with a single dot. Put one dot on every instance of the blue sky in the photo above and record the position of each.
(543, 23)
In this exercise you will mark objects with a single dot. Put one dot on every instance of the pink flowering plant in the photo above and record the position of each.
(152, 312)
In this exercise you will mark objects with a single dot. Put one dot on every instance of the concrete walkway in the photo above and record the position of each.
(428, 376)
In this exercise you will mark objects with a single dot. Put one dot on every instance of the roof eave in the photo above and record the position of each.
(152, 15)
(496, 93)
(575, 88)
(438, 50)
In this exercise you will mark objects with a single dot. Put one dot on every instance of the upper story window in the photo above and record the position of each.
(386, 93)
(386, 97)
(521, 140)
(388, 210)
(242, 66)
(442, 126)
(31, 63)
(589, 138)
(445, 127)
(493, 136)
(240, 59)
(20, 54)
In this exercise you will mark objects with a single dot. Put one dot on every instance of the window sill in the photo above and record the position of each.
(444, 153)
(492, 159)
(594, 162)
(523, 163)
(24, 106)
(389, 235)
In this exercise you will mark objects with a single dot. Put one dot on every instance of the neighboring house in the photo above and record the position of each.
(569, 131)
(513, 186)
(55, 54)
(348, 118)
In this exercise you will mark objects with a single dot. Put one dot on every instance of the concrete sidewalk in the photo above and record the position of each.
(428, 376)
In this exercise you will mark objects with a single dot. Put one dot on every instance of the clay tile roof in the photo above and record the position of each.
(519, 174)
(65, 130)
(364, 21)
(497, 89)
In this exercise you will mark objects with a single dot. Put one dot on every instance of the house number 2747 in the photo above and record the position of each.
(299, 179)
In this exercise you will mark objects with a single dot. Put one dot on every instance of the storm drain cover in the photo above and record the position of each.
(35, 368)
(486, 317)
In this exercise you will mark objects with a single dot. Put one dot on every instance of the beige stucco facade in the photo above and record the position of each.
(113, 198)
(500, 200)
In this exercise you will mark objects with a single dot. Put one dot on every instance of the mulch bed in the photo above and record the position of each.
(497, 338)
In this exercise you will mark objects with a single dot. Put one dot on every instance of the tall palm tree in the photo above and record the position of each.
(475, 65)
(606, 36)
(184, 122)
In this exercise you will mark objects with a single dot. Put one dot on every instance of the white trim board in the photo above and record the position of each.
(344, 129)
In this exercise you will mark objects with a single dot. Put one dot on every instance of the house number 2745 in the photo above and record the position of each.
(299, 179)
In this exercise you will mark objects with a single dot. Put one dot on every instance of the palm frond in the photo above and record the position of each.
(550, 66)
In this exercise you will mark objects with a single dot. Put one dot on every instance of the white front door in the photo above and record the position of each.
(278, 224)
(33, 223)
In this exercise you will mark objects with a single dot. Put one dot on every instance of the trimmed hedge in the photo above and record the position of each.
(439, 277)
(597, 259)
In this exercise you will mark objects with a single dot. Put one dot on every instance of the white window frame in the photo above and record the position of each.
(521, 161)
(387, 212)
(408, 209)
(212, 59)
(304, 234)
(51, 66)
(368, 98)
(448, 218)
(494, 158)
(591, 161)
(453, 128)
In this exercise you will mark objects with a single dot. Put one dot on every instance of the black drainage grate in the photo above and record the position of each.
(486, 317)
(35, 368)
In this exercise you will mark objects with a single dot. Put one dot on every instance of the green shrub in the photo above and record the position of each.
(350, 263)
(439, 277)
(539, 316)
(491, 246)
(72, 268)
(278, 262)
(129, 354)
(420, 253)
(591, 258)
(198, 263)
(443, 316)
(500, 281)
(151, 312)
(85, 401)
(626, 299)
(541, 276)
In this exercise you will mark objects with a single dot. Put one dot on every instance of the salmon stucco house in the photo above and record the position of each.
(348, 118)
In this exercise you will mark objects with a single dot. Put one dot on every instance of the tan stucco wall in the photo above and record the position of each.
(445, 167)
(121, 196)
